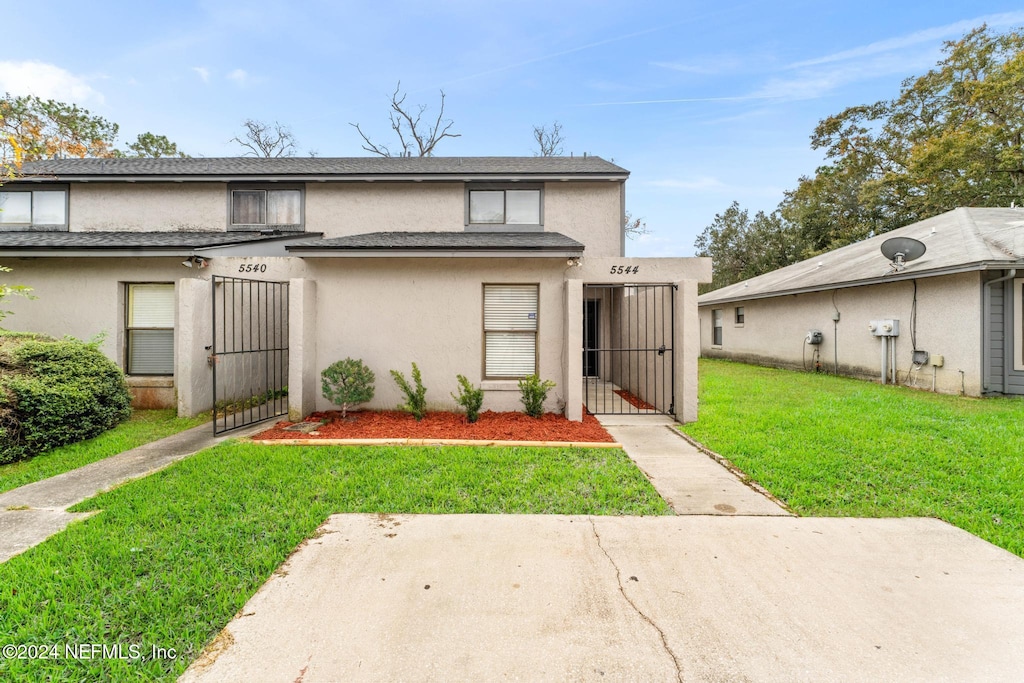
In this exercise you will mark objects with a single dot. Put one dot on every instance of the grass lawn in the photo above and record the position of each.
(141, 428)
(172, 557)
(832, 446)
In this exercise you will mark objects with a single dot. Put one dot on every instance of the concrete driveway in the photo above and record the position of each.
(698, 598)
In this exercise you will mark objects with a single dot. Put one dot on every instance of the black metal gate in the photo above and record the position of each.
(628, 343)
(249, 351)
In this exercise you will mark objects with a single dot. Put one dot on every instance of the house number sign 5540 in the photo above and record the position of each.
(252, 268)
(625, 270)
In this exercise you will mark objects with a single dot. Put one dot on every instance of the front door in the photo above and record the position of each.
(590, 339)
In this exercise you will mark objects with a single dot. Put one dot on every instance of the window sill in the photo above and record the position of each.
(149, 381)
(503, 227)
(262, 228)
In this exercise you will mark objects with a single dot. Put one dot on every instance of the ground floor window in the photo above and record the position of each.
(716, 327)
(510, 331)
(149, 333)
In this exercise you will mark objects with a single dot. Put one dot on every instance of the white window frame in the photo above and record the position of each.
(32, 224)
(1018, 324)
(129, 328)
(505, 226)
(739, 316)
(267, 188)
(534, 333)
(717, 323)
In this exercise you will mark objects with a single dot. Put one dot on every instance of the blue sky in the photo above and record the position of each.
(705, 103)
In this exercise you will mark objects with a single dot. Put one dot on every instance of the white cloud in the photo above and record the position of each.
(703, 66)
(239, 76)
(926, 36)
(47, 81)
(203, 72)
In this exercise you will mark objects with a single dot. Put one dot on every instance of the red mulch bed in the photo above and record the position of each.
(492, 426)
(635, 401)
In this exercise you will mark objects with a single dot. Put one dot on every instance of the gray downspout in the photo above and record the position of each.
(986, 329)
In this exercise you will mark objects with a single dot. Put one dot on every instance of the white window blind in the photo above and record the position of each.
(510, 330)
(150, 334)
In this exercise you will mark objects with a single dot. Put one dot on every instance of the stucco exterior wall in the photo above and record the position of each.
(148, 207)
(338, 209)
(948, 324)
(392, 312)
(587, 212)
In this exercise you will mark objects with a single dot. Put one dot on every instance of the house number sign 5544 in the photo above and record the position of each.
(625, 270)
(252, 268)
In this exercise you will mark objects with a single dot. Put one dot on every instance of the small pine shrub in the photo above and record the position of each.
(54, 393)
(534, 393)
(347, 383)
(471, 398)
(415, 398)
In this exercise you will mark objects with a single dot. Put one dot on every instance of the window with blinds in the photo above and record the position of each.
(258, 207)
(149, 335)
(510, 330)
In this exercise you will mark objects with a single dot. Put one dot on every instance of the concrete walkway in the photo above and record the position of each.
(34, 512)
(692, 482)
(553, 598)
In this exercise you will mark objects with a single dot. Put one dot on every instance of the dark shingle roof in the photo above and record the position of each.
(298, 167)
(108, 241)
(444, 241)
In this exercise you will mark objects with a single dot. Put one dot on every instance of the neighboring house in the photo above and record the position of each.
(236, 281)
(958, 307)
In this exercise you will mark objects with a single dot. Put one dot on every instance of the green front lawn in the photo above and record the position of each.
(172, 557)
(834, 446)
(141, 428)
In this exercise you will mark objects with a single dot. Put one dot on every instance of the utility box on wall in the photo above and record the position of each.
(884, 328)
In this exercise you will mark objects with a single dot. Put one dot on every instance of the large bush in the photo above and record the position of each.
(55, 392)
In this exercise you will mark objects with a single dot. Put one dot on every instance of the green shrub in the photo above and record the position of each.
(54, 393)
(534, 393)
(347, 383)
(471, 398)
(415, 399)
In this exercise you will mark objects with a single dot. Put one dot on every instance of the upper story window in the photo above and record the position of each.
(492, 206)
(258, 208)
(27, 209)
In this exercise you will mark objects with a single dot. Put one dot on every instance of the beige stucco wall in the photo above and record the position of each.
(589, 212)
(391, 312)
(147, 207)
(948, 324)
(338, 209)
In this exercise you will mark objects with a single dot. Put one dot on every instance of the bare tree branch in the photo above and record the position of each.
(266, 140)
(413, 136)
(549, 142)
(635, 227)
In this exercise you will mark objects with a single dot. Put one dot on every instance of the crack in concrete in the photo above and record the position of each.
(622, 591)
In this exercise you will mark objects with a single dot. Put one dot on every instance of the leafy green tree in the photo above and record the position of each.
(151, 146)
(952, 137)
(742, 247)
(47, 129)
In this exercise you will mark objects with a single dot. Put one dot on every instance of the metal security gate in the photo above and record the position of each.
(628, 343)
(249, 351)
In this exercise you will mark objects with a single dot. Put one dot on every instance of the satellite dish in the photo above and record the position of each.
(902, 250)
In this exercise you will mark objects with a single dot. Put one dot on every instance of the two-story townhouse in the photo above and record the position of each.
(234, 281)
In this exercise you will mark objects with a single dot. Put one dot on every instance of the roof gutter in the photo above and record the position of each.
(432, 177)
(905, 275)
(435, 253)
(986, 331)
